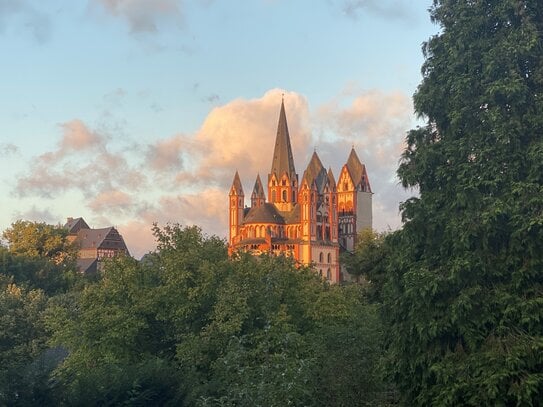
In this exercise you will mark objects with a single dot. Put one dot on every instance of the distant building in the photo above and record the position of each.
(94, 244)
(311, 220)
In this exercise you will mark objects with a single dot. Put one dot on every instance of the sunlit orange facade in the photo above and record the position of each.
(311, 220)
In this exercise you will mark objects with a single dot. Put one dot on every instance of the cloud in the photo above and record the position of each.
(387, 9)
(36, 214)
(241, 134)
(78, 137)
(143, 16)
(82, 162)
(375, 123)
(20, 15)
(166, 155)
(212, 98)
(8, 149)
(185, 178)
(115, 201)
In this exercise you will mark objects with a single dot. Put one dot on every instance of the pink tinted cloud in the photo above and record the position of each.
(240, 135)
(166, 154)
(81, 162)
(205, 209)
(375, 123)
(185, 178)
(78, 137)
(115, 201)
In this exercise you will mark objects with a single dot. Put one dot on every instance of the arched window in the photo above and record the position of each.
(328, 275)
(284, 195)
(321, 257)
(329, 258)
(293, 196)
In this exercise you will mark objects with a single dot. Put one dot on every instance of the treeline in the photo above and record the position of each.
(184, 326)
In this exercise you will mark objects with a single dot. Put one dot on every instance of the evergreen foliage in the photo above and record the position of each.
(464, 301)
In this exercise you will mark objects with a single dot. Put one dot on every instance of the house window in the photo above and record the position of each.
(321, 257)
(329, 258)
(284, 195)
(328, 275)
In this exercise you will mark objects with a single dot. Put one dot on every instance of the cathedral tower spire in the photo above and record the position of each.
(236, 206)
(282, 179)
(258, 198)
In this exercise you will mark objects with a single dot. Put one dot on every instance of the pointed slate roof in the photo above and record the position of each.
(258, 190)
(236, 188)
(315, 172)
(283, 160)
(75, 225)
(104, 238)
(355, 167)
(357, 170)
(331, 179)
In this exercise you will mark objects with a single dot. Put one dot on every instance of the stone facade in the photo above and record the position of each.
(310, 220)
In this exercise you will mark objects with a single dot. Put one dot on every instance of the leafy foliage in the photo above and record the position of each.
(243, 331)
(38, 239)
(22, 339)
(464, 298)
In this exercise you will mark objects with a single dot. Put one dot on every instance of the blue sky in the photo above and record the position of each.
(129, 112)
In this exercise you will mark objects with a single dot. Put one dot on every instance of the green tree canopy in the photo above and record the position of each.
(246, 331)
(465, 297)
(38, 239)
(22, 339)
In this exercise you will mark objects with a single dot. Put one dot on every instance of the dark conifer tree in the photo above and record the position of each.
(465, 298)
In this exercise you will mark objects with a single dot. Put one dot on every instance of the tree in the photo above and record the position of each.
(38, 239)
(369, 260)
(464, 299)
(22, 339)
(243, 331)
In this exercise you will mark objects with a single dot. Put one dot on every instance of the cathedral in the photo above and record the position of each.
(311, 220)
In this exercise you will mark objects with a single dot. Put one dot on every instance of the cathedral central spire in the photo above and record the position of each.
(283, 161)
(282, 179)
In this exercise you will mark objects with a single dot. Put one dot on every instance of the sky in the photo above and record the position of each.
(131, 112)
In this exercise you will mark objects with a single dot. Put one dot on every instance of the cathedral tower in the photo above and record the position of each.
(282, 179)
(354, 201)
(258, 198)
(237, 198)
